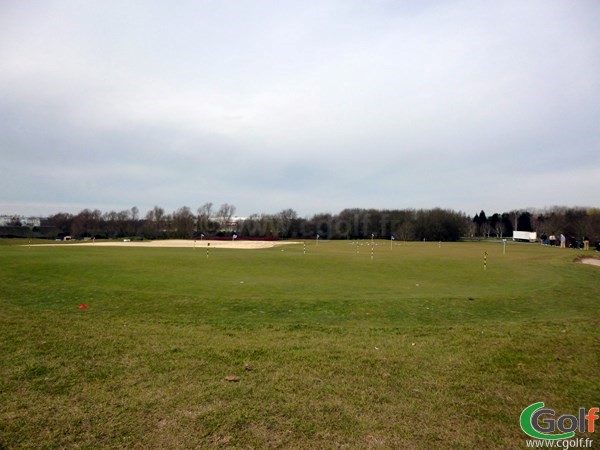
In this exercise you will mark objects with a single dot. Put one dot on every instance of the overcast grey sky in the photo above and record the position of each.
(311, 105)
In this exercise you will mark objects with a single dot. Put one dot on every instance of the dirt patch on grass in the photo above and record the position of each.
(179, 243)
(588, 260)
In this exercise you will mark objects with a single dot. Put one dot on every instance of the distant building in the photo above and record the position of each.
(229, 224)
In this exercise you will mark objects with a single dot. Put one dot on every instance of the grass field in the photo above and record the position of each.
(417, 348)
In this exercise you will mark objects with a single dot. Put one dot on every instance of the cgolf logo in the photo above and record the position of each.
(540, 423)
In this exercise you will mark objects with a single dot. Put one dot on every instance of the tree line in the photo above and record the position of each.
(435, 224)
(206, 221)
(574, 223)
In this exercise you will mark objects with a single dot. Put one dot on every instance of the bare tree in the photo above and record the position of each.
(486, 229)
(225, 212)
(134, 223)
(204, 215)
(406, 230)
(183, 222)
(471, 229)
(86, 223)
(284, 221)
(62, 221)
(123, 218)
(499, 228)
(155, 222)
(111, 227)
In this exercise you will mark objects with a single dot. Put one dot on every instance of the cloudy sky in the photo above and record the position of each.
(312, 105)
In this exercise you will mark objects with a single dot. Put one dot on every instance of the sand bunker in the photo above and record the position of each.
(179, 243)
(591, 261)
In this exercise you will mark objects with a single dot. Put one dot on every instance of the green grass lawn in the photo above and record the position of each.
(417, 348)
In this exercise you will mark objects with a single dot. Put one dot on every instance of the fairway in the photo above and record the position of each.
(410, 345)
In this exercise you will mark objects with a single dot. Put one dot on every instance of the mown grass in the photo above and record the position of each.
(417, 348)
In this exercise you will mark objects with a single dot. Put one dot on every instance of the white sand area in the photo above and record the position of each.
(177, 243)
(591, 261)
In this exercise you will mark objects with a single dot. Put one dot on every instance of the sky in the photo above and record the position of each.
(316, 106)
